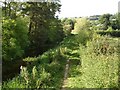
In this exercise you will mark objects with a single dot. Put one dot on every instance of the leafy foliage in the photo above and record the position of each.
(68, 26)
(89, 69)
(114, 33)
(45, 29)
(81, 24)
(115, 21)
(31, 28)
(95, 71)
(105, 20)
(40, 72)
(83, 37)
(14, 46)
(82, 28)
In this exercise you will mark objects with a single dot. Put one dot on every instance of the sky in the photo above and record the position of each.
(80, 8)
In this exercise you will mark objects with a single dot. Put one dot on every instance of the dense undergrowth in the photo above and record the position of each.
(44, 71)
(41, 72)
(99, 64)
(93, 64)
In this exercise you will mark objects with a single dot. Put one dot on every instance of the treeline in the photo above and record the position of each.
(106, 24)
(28, 29)
(109, 20)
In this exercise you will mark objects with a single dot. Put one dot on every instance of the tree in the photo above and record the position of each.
(14, 39)
(44, 29)
(115, 21)
(68, 26)
(105, 20)
(83, 31)
(81, 24)
(12, 9)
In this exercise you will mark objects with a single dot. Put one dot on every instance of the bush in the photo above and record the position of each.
(114, 33)
(83, 36)
(81, 24)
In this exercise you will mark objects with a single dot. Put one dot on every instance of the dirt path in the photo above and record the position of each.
(65, 75)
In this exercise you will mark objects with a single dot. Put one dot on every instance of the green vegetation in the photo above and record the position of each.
(15, 38)
(40, 72)
(29, 29)
(96, 70)
(114, 33)
(90, 66)
(68, 25)
(37, 47)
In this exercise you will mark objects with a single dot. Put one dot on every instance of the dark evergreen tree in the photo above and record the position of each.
(44, 29)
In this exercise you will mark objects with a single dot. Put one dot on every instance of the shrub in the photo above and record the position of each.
(81, 24)
(114, 33)
(83, 37)
(67, 30)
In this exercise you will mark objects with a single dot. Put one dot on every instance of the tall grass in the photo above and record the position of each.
(97, 70)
